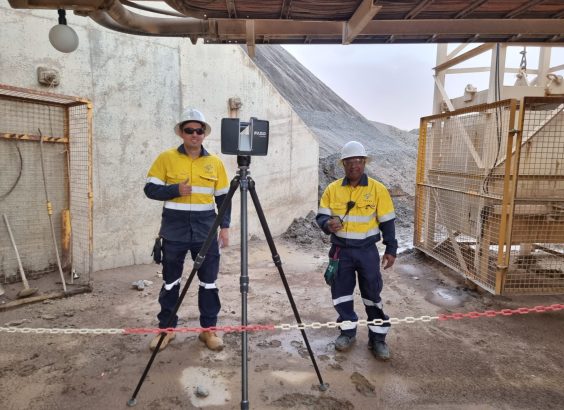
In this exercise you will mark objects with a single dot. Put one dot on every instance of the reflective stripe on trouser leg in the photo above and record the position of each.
(173, 264)
(370, 284)
(342, 291)
(208, 294)
(377, 333)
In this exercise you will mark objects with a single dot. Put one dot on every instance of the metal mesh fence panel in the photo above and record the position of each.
(537, 230)
(490, 196)
(39, 135)
(80, 174)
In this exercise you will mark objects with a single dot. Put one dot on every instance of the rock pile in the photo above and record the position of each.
(305, 232)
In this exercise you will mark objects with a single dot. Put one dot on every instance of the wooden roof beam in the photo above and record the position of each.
(358, 21)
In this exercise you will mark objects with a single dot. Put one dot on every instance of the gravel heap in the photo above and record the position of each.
(334, 122)
(305, 232)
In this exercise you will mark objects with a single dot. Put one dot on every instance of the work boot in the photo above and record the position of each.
(167, 339)
(212, 341)
(344, 342)
(379, 349)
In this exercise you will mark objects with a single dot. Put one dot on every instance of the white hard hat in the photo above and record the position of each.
(192, 114)
(353, 149)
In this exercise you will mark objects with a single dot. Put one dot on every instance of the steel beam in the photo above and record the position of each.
(231, 10)
(429, 27)
(469, 9)
(285, 9)
(360, 18)
(417, 9)
(523, 8)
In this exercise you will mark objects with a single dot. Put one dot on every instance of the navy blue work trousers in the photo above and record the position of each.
(364, 262)
(209, 305)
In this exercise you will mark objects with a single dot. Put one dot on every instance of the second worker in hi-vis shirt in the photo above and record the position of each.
(191, 182)
(357, 211)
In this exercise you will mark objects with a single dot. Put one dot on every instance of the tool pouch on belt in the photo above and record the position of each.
(332, 268)
(157, 253)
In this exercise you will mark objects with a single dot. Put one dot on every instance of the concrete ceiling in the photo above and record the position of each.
(328, 22)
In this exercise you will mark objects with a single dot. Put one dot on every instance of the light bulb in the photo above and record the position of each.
(63, 38)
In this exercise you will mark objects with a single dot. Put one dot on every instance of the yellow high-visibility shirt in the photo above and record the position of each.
(372, 206)
(206, 174)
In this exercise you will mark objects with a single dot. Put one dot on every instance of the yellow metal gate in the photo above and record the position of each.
(490, 194)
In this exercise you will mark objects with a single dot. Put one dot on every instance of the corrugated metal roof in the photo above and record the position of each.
(396, 21)
(391, 9)
(331, 21)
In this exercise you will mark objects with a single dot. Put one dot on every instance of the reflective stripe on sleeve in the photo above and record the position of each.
(189, 207)
(342, 299)
(387, 217)
(324, 211)
(223, 191)
(155, 181)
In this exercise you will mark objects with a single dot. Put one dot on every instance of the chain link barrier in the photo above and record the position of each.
(66, 331)
(287, 326)
(503, 312)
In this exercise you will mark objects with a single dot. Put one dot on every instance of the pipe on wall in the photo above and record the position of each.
(115, 16)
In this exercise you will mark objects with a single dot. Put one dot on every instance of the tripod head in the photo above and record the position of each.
(243, 160)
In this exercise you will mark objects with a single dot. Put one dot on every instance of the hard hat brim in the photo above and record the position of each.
(367, 159)
(178, 132)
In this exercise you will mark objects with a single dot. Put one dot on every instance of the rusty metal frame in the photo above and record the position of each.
(39, 97)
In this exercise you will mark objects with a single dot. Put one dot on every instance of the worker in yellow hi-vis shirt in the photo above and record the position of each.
(191, 182)
(357, 211)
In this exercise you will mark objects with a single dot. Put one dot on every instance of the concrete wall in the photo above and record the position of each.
(139, 86)
(286, 179)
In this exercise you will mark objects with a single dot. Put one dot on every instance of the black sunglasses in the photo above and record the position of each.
(189, 130)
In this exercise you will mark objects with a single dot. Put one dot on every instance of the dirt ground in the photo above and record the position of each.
(508, 362)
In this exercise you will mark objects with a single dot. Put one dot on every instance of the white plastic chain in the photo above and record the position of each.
(361, 322)
(284, 326)
(287, 326)
(54, 331)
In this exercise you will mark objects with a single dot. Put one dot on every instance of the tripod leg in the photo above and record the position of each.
(197, 263)
(278, 263)
(244, 288)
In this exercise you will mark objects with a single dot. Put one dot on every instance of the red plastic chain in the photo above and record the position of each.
(503, 312)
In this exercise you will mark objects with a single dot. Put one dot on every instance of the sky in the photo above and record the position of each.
(393, 83)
